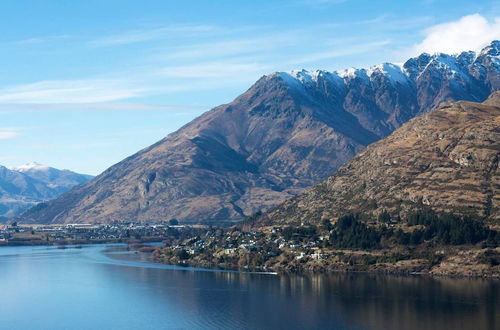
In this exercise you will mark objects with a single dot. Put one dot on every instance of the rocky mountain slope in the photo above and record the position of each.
(447, 159)
(27, 185)
(288, 132)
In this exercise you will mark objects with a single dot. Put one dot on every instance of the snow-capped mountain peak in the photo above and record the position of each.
(26, 185)
(492, 49)
(392, 71)
(462, 68)
(33, 166)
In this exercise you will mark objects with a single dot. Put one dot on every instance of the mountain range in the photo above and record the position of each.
(27, 185)
(288, 132)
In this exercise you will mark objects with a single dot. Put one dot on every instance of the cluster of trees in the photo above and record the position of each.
(351, 231)
(444, 228)
(252, 218)
(449, 229)
(183, 254)
(300, 234)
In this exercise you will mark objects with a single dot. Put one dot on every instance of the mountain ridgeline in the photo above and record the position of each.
(288, 132)
(27, 185)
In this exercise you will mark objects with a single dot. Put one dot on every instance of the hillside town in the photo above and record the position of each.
(349, 244)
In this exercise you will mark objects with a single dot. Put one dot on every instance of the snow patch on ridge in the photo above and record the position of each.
(392, 71)
(33, 166)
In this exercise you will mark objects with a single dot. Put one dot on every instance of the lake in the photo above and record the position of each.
(108, 287)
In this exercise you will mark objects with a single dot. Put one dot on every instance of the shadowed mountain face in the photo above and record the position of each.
(286, 133)
(447, 159)
(30, 184)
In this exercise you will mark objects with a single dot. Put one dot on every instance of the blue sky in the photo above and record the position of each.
(83, 84)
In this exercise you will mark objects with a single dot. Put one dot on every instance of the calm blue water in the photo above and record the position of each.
(103, 287)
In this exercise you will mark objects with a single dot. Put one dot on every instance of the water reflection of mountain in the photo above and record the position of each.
(388, 302)
(339, 301)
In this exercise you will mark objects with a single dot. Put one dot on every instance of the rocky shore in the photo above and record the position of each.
(474, 262)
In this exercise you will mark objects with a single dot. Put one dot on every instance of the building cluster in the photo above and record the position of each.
(233, 243)
(19, 234)
(191, 242)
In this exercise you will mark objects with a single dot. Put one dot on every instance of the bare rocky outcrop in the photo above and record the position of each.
(446, 159)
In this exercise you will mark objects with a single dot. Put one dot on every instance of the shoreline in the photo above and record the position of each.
(78, 242)
(332, 271)
(335, 271)
(339, 271)
(323, 268)
(278, 272)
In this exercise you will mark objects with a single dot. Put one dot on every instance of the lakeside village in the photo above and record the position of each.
(425, 242)
(64, 234)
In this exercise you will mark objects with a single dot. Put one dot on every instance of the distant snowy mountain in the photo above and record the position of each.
(26, 185)
(58, 180)
(34, 166)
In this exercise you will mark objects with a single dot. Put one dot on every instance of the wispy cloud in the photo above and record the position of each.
(8, 133)
(40, 40)
(9, 157)
(110, 94)
(96, 106)
(341, 51)
(72, 91)
(86, 146)
(471, 32)
(232, 47)
(222, 56)
(113, 93)
(148, 34)
(216, 69)
(323, 2)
